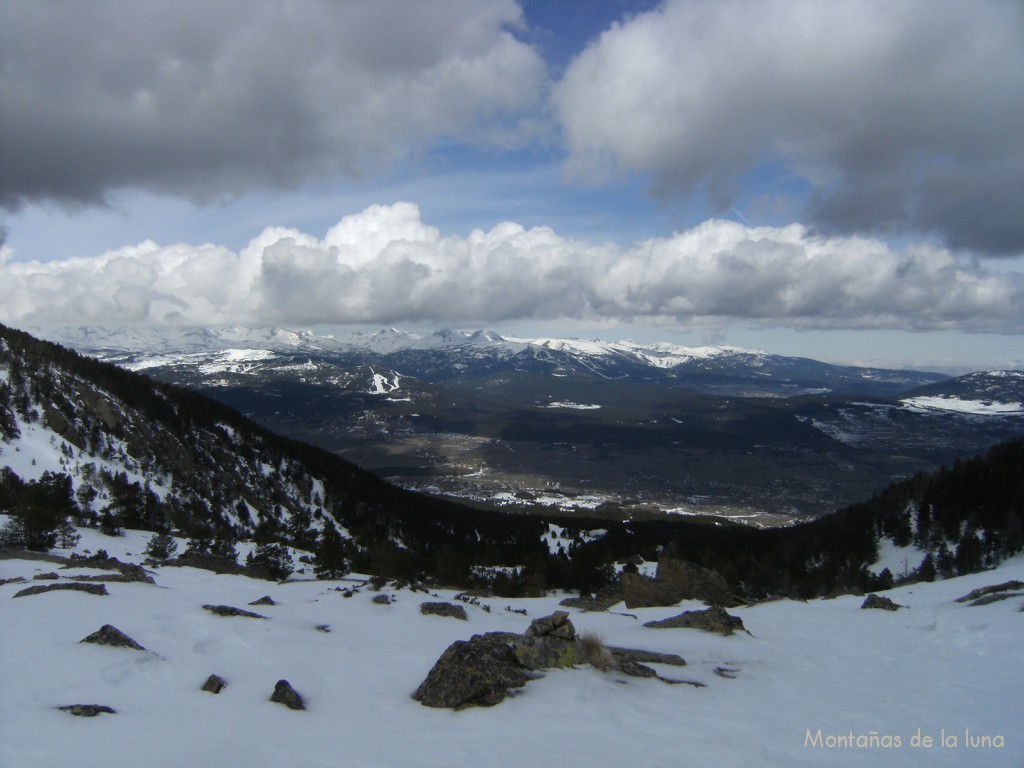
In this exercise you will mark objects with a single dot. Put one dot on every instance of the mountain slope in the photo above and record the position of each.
(156, 455)
(936, 667)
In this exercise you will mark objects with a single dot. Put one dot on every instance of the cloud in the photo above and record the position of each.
(385, 266)
(209, 100)
(901, 116)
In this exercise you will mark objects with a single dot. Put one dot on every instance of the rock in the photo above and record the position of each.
(129, 571)
(644, 592)
(975, 594)
(550, 641)
(443, 609)
(108, 634)
(230, 610)
(714, 619)
(646, 657)
(45, 576)
(13, 580)
(386, 600)
(635, 669)
(884, 603)
(545, 652)
(480, 671)
(265, 600)
(602, 601)
(87, 710)
(285, 694)
(995, 597)
(92, 589)
(214, 684)
(555, 625)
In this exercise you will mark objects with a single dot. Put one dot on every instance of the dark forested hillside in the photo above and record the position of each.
(156, 456)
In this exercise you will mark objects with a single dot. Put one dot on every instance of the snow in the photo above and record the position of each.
(823, 665)
(977, 407)
(382, 385)
(899, 560)
(573, 406)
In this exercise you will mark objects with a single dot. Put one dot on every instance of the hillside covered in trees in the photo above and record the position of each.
(90, 443)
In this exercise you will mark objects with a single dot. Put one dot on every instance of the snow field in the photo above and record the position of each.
(823, 664)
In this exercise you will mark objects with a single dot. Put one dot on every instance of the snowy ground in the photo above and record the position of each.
(937, 668)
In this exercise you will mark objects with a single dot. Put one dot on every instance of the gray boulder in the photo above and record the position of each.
(285, 694)
(214, 684)
(92, 589)
(877, 601)
(549, 642)
(230, 610)
(108, 634)
(714, 619)
(479, 672)
(443, 609)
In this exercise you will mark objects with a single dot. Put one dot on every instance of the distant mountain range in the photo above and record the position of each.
(617, 427)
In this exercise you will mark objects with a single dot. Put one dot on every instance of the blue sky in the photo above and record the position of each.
(841, 181)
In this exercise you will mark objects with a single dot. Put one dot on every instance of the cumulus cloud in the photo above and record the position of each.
(901, 116)
(384, 265)
(208, 100)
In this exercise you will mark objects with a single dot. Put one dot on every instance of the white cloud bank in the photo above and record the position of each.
(384, 265)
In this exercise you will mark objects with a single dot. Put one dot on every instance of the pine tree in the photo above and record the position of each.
(331, 561)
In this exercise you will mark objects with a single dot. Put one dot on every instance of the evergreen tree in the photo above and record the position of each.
(275, 559)
(330, 561)
(161, 547)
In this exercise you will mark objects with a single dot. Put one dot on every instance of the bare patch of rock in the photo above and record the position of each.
(108, 634)
(285, 694)
(230, 610)
(92, 589)
(714, 619)
(443, 609)
(880, 602)
(87, 710)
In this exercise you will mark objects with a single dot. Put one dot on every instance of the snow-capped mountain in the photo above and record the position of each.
(451, 355)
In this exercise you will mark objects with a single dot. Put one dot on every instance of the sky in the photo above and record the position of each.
(842, 181)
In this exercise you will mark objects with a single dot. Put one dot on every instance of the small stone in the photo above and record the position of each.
(443, 609)
(87, 710)
(285, 694)
(214, 684)
(324, 628)
(265, 600)
(383, 600)
(108, 634)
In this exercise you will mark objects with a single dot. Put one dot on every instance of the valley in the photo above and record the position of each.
(616, 430)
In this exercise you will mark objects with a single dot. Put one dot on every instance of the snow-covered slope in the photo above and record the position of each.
(820, 683)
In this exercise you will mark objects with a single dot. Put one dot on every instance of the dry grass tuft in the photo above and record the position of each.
(597, 655)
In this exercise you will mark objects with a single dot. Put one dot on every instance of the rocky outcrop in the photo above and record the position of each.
(601, 601)
(128, 571)
(548, 642)
(51, 576)
(443, 609)
(230, 610)
(994, 593)
(485, 669)
(877, 601)
(714, 619)
(265, 600)
(676, 580)
(386, 600)
(480, 671)
(285, 694)
(87, 710)
(108, 634)
(214, 684)
(92, 589)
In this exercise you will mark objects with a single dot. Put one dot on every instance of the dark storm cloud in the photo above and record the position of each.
(209, 99)
(905, 117)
